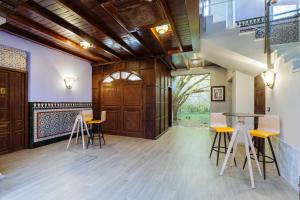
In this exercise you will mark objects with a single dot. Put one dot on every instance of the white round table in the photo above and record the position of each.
(240, 128)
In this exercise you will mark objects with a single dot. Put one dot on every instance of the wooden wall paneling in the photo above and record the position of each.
(133, 108)
(112, 117)
(95, 102)
(133, 66)
(150, 120)
(162, 110)
(150, 95)
(133, 95)
(259, 97)
(148, 76)
(259, 104)
(170, 107)
(147, 64)
(143, 108)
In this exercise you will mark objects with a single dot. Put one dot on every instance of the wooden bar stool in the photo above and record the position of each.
(218, 124)
(99, 124)
(268, 126)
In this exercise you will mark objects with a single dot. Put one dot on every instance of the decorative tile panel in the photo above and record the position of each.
(50, 120)
(13, 58)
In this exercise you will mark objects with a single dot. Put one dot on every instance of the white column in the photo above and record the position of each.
(230, 21)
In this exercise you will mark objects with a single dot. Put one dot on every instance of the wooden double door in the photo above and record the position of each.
(124, 102)
(13, 117)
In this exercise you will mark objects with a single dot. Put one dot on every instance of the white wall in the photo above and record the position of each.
(284, 100)
(218, 77)
(245, 9)
(243, 95)
(47, 69)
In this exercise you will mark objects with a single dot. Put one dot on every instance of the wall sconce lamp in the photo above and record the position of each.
(69, 82)
(269, 77)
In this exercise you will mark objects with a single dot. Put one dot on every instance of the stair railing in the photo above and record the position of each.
(268, 4)
(220, 10)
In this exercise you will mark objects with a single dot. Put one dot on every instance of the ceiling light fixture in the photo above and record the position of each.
(162, 29)
(2, 20)
(84, 44)
(195, 62)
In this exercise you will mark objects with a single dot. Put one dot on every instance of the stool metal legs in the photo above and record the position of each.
(262, 146)
(218, 153)
(219, 147)
(273, 154)
(100, 136)
(212, 147)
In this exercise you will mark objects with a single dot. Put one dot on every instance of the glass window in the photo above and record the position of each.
(108, 80)
(134, 77)
(121, 75)
(284, 11)
(116, 75)
(124, 75)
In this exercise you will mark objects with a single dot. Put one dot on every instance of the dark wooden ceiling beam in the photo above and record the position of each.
(176, 36)
(36, 26)
(35, 7)
(141, 41)
(192, 7)
(167, 12)
(174, 50)
(133, 35)
(32, 37)
(100, 26)
(158, 39)
(167, 62)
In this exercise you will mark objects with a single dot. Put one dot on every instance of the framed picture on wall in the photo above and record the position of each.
(218, 93)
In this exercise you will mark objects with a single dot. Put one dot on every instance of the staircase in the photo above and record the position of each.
(231, 49)
(289, 53)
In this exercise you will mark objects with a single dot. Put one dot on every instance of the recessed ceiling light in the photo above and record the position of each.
(162, 29)
(2, 20)
(84, 44)
(195, 62)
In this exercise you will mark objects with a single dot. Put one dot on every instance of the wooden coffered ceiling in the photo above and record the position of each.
(117, 29)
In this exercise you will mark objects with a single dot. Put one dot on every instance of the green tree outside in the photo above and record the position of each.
(191, 100)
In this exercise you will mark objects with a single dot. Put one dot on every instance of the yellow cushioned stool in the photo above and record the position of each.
(218, 124)
(268, 126)
(99, 124)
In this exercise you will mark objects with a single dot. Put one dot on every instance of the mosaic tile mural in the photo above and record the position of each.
(13, 58)
(53, 120)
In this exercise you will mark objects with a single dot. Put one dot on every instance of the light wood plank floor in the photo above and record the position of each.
(176, 166)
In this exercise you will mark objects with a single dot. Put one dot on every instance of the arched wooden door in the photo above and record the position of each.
(123, 100)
